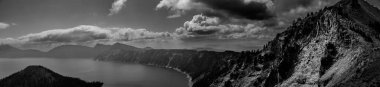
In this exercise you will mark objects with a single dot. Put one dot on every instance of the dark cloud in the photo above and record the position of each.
(250, 10)
(287, 5)
(272, 13)
(204, 32)
(301, 6)
(246, 9)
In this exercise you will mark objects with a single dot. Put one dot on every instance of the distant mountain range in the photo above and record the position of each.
(38, 76)
(68, 51)
(65, 51)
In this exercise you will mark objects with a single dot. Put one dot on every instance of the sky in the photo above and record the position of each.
(162, 24)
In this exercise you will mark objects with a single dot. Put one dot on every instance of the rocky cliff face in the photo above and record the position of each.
(336, 46)
(38, 76)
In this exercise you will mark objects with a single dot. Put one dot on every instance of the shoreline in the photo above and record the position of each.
(190, 82)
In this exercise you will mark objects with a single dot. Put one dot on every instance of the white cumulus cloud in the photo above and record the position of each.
(4, 25)
(88, 33)
(204, 27)
(117, 6)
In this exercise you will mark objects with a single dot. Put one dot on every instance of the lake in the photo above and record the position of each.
(111, 74)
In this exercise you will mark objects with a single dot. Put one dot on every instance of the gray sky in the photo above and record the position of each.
(32, 16)
(172, 24)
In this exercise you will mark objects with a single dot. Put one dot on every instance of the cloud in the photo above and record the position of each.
(248, 9)
(288, 5)
(117, 6)
(301, 6)
(88, 33)
(200, 27)
(4, 25)
(200, 32)
(204, 27)
(242, 14)
(223, 24)
(244, 9)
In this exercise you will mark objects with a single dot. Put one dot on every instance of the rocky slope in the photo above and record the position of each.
(196, 64)
(202, 67)
(38, 76)
(337, 46)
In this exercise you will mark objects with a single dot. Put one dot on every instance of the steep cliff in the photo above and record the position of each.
(336, 46)
(200, 66)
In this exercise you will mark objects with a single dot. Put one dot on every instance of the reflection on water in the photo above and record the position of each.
(112, 74)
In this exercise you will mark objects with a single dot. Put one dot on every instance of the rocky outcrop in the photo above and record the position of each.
(337, 46)
(38, 76)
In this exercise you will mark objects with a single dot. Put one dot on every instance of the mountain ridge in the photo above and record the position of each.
(318, 40)
(64, 51)
(71, 51)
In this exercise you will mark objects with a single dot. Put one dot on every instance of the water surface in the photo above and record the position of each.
(112, 74)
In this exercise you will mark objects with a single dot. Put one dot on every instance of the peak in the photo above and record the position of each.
(122, 46)
(35, 72)
(350, 5)
(71, 46)
(361, 11)
(68, 47)
(6, 47)
(35, 67)
(100, 45)
(149, 48)
(38, 70)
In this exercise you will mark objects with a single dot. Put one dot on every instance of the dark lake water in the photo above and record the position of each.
(112, 74)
